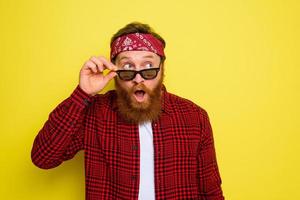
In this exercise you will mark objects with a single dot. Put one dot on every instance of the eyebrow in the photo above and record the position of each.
(125, 57)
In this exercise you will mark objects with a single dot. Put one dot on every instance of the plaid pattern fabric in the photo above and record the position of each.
(184, 154)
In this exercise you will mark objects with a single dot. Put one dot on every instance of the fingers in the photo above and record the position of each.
(98, 63)
(102, 63)
(91, 66)
(108, 65)
(110, 75)
(96, 66)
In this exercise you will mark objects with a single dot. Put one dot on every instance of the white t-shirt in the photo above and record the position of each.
(146, 189)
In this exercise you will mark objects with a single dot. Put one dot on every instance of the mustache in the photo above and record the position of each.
(140, 86)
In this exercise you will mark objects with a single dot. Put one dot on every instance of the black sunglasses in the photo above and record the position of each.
(147, 74)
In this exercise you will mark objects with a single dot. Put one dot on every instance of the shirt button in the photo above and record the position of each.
(133, 178)
(134, 147)
(86, 102)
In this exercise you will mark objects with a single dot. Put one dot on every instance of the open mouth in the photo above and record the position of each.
(139, 95)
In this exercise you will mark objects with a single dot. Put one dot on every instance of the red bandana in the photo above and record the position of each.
(136, 42)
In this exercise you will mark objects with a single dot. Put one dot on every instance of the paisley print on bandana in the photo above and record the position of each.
(136, 42)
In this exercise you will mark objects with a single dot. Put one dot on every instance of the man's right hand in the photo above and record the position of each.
(92, 80)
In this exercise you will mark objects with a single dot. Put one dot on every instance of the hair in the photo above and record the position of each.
(137, 27)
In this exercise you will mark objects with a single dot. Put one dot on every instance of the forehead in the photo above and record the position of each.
(137, 56)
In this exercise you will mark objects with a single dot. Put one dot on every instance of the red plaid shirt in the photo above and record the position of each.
(185, 163)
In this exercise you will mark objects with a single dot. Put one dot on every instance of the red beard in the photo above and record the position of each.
(138, 112)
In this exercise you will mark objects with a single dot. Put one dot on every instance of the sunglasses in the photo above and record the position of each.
(147, 74)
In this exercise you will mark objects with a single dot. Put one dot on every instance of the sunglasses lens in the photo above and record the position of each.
(149, 74)
(126, 75)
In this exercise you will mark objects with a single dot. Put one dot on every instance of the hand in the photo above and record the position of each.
(91, 78)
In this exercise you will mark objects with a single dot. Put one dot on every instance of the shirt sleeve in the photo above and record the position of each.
(62, 135)
(209, 176)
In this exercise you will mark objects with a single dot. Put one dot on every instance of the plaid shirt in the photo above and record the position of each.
(185, 163)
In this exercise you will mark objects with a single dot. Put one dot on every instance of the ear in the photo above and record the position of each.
(162, 69)
(162, 64)
(162, 60)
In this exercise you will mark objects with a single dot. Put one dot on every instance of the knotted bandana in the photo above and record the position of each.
(136, 42)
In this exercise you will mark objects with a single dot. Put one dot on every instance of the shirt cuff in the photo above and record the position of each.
(81, 98)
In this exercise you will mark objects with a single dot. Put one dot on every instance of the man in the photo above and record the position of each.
(140, 141)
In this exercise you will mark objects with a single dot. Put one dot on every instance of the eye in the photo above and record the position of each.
(127, 66)
(148, 65)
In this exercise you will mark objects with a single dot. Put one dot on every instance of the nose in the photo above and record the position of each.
(138, 78)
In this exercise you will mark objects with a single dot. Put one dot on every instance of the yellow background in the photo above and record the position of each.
(238, 59)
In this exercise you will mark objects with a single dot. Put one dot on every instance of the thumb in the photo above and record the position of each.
(110, 76)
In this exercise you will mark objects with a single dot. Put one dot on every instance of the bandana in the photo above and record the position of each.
(136, 42)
